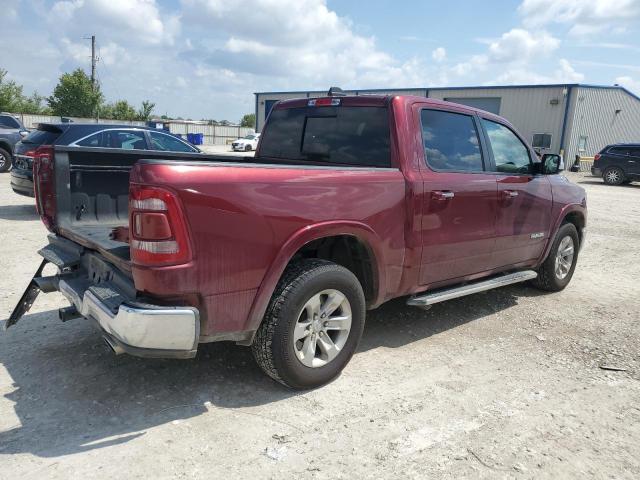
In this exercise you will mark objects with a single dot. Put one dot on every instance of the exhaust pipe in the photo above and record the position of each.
(114, 347)
(68, 313)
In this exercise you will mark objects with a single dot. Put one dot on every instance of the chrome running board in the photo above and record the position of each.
(470, 288)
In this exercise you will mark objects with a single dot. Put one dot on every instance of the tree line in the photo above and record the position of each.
(75, 96)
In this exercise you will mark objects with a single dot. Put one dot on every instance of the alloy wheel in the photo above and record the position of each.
(322, 328)
(564, 257)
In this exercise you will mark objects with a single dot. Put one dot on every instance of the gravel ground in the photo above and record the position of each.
(505, 384)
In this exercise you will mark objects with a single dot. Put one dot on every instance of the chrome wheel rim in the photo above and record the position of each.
(613, 176)
(3, 160)
(322, 328)
(564, 257)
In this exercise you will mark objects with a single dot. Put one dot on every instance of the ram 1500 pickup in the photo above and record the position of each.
(350, 201)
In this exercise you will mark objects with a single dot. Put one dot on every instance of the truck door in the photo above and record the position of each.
(460, 198)
(525, 200)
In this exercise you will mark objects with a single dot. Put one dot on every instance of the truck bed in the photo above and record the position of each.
(92, 193)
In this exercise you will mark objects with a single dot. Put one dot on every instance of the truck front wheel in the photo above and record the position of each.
(556, 271)
(312, 326)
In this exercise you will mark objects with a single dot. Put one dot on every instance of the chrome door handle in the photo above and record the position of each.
(510, 193)
(442, 195)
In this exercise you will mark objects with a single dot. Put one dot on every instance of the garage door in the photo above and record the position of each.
(489, 104)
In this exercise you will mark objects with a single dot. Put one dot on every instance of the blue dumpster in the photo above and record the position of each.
(198, 138)
(190, 138)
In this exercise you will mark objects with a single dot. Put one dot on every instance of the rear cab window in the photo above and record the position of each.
(329, 135)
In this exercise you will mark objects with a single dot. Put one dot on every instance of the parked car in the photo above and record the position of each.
(349, 202)
(92, 135)
(618, 164)
(247, 143)
(11, 131)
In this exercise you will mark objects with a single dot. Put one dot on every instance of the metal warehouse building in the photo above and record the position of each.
(571, 119)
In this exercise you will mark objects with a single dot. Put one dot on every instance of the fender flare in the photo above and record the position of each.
(302, 237)
(566, 210)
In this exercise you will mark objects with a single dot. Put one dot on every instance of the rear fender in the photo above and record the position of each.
(299, 239)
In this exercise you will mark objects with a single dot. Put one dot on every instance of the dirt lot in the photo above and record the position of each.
(506, 384)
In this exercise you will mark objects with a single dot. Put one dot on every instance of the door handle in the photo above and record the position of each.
(442, 195)
(510, 193)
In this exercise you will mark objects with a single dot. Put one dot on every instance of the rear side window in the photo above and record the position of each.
(450, 141)
(619, 150)
(356, 136)
(161, 141)
(124, 139)
(509, 153)
(41, 137)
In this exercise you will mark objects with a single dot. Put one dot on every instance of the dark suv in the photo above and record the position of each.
(11, 131)
(618, 164)
(97, 135)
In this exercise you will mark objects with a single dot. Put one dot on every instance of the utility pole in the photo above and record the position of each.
(93, 61)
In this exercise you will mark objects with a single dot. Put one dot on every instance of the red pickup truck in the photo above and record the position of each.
(350, 201)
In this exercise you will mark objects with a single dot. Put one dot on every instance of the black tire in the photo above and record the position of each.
(613, 176)
(273, 347)
(247, 148)
(5, 160)
(547, 278)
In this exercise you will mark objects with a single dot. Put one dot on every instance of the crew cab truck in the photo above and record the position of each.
(350, 201)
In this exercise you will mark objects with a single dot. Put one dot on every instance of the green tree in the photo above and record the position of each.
(146, 110)
(13, 100)
(119, 110)
(249, 120)
(10, 94)
(75, 96)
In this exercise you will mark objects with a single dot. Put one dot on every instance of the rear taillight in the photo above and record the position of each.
(44, 185)
(157, 229)
(596, 157)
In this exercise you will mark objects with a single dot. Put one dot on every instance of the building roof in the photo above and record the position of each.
(476, 87)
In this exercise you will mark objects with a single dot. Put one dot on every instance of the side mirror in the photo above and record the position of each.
(551, 164)
(24, 133)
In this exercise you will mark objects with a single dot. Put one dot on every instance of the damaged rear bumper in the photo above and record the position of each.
(99, 292)
(144, 331)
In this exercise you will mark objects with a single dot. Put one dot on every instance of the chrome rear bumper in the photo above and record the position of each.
(144, 331)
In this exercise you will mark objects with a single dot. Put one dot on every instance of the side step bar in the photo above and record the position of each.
(470, 288)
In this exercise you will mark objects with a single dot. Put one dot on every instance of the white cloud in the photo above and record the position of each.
(564, 73)
(439, 54)
(123, 20)
(512, 53)
(585, 16)
(303, 43)
(629, 83)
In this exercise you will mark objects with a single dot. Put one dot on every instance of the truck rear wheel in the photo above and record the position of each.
(313, 325)
(556, 271)
(613, 176)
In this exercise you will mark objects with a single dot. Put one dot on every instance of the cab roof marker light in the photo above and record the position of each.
(323, 102)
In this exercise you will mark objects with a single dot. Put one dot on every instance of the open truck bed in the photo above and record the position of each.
(92, 194)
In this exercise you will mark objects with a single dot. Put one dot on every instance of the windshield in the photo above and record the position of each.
(357, 136)
(251, 136)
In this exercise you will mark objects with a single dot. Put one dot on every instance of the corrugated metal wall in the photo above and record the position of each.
(594, 116)
(529, 109)
(213, 134)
